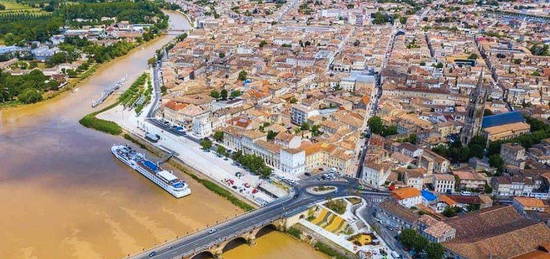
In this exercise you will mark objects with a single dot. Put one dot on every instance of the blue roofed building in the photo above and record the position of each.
(504, 126)
(428, 196)
(501, 119)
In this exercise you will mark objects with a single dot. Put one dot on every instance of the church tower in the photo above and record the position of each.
(474, 116)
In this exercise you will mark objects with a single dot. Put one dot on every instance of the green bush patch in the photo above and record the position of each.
(90, 121)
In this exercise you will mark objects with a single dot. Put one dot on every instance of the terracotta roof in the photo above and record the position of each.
(444, 198)
(293, 150)
(175, 106)
(538, 254)
(530, 202)
(405, 193)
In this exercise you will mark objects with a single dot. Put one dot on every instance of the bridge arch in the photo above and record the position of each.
(265, 230)
(234, 243)
(204, 255)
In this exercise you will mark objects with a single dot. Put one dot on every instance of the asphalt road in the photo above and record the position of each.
(298, 201)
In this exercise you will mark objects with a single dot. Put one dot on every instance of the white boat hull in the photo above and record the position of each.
(176, 193)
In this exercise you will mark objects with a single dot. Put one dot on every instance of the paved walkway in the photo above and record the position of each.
(191, 154)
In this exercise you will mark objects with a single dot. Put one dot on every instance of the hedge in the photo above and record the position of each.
(90, 121)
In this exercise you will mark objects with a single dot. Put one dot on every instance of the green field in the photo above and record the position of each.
(13, 6)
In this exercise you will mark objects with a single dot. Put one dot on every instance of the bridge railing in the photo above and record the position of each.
(230, 237)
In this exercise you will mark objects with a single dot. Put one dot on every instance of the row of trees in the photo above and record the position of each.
(134, 12)
(539, 131)
(223, 94)
(17, 28)
(27, 27)
(253, 163)
(457, 152)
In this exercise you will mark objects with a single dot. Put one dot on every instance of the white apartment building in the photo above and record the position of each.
(375, 174)
(293, 161)
(287, 160)
(444, 183)
(201, 125)
(300, 113)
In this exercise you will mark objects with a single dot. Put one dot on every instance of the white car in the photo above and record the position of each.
(210, 231)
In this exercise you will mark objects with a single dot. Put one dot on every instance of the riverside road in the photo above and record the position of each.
(298, 201)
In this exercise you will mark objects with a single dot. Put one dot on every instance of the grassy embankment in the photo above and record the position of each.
(128, 97)
(91, 121)
(321, 247)
(329, 251)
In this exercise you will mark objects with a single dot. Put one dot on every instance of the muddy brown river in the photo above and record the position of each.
(63, 194)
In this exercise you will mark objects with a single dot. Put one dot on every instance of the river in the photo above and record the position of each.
(63, 195)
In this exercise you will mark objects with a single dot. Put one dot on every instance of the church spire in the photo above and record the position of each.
(476, 108)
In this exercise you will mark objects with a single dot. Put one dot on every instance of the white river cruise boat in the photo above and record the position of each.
(165, 179)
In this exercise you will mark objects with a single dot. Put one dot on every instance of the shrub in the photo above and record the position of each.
(90, 121)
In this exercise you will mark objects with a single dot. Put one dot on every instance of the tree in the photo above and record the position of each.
(305, 126)
(223, 94)
(407, 237)
(473, 56)
(389, 130)
(413, 138)
(475, 150)
(451, 211)
(375, 124)
(293, 100)
(540, 50)
(2, 7)
(271, 135)
(218, 136)
(410, 239)
(71, 73)
(439, 65)
(315, 130)
(435, 251)
(487, 112)
(441, 150)
(263, 43)
(265, 172)
(488, 189)
(380, 18)
(221, 55)
(236, 93)
(206, 144)
(151, 61)
(215, 94)
(496, 161)
(243, 75)
(30, 96)
(221, 150)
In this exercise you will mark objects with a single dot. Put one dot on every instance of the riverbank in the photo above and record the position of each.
(68, 197)
(74, 83)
